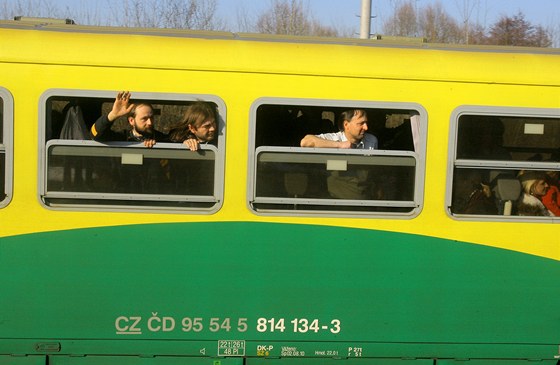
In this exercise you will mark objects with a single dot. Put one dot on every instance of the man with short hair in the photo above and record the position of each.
(352, 126)
(354, 184)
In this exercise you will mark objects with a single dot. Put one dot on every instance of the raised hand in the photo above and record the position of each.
(121, 106)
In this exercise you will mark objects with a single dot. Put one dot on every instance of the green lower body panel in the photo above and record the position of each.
(136, 360)
(363, 361)
(259, 290)
(22, 360)
(496, 362)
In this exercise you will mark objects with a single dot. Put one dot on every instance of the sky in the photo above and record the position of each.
(344, 14)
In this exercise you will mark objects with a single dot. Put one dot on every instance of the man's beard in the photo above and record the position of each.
(146, 132)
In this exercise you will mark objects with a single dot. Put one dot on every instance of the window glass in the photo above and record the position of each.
(6, 146)
(378, 174)
(501, 157)
(491, 137)
(2, 155)
(117, 170)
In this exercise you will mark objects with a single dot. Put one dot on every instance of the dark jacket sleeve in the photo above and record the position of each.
(101, 130)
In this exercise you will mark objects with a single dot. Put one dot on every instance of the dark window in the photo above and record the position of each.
(288, 178)
(495, 155)
(80, 172)
(6, 146)
(2, 155)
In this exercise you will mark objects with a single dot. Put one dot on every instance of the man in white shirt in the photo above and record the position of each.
(355, 184)
(353, 127)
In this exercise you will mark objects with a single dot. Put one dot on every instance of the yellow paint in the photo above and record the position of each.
(239, 71)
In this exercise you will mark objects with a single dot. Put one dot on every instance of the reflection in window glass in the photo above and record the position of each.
(332, 182)
(500, 160)
(86, 173)
(1, 121)
(6, 147)
(3, 194)
(508, 138)
(288, 177)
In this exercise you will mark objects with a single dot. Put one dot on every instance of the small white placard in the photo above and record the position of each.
(132, 159)
(534, 128)
(337, 165)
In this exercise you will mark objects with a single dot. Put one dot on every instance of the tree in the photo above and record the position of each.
(176, 14)
(516, 31)
(466, 8)
(291, 17)
(430, 22)
(437, 26)
(554, 32)
(476, 34)
(31, 8)
(403, 22)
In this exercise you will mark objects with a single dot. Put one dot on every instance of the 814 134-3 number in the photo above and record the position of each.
(298, 325)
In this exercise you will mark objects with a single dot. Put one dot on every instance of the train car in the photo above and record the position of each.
(250, 250)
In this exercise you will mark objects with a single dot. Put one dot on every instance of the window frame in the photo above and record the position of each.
(419, 155)
(219, 164)
(455, 163)
(7, 145)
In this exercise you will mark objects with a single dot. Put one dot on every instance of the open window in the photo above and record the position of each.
(285, 178)
(80, 173)
(6, 146)
(492, 149)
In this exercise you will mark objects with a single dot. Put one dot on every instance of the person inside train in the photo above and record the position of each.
(352, 125)
(551, 199)
(140, 117)
(535, 188)
(472, 194)
(354, 183)
(198, 126)
(147, 177)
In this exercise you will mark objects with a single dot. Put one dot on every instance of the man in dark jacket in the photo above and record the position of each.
(140, 118)
(147, 177)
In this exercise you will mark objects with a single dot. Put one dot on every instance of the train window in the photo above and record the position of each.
(78, 172)
(498, 157)
(6, 146)
(288, 179)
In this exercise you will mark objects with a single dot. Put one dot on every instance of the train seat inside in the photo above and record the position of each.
(506, 189)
